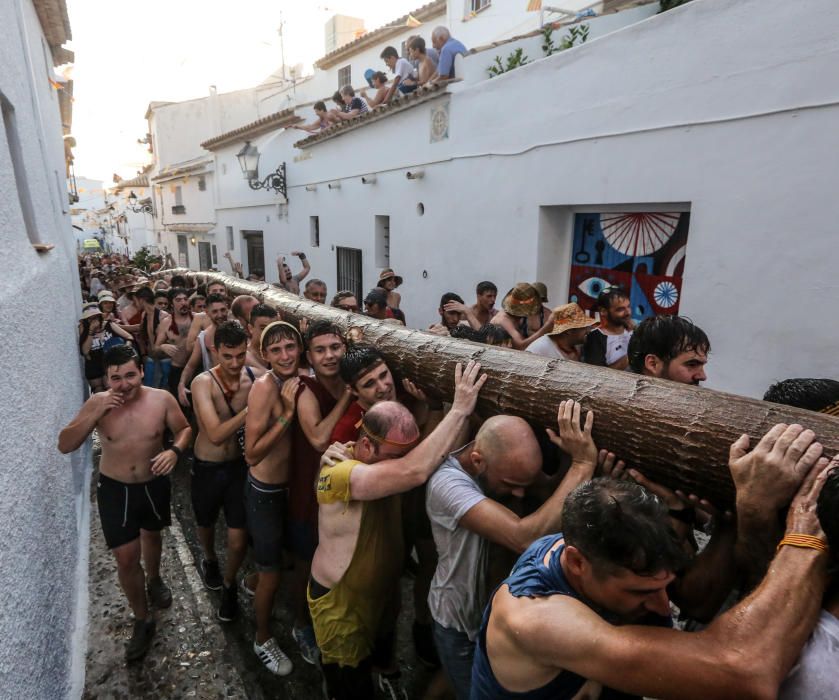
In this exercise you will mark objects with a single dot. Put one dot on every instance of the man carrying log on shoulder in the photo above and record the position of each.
(360, 551)
(589, 606)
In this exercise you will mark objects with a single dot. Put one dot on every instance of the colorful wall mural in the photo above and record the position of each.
(642, 252)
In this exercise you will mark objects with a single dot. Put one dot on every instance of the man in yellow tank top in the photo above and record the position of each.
(359, 555)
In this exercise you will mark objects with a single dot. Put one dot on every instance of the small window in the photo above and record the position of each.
(27, 210)
(344, 76)
(179, 196)
(202, 184)
(349, 270)
(229, 230)
(314, 231)
(382, 241)
(478, 5)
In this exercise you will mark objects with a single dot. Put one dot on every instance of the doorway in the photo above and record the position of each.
(254, 253)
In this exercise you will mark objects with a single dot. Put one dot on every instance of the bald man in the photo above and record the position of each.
(503, 460)
(241, 308)
(359, 556)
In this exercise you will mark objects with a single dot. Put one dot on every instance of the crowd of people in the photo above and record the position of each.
(423, 66)
(541, 565)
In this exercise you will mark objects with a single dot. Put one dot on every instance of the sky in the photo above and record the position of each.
(129, 54)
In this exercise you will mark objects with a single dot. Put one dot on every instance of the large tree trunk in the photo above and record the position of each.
(676, 434)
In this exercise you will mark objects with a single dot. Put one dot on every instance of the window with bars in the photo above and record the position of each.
(344, 76)
(349, 270)
(478, 5)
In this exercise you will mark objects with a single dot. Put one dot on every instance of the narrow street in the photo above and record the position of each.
(193, 655)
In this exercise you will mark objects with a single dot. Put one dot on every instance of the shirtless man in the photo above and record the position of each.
(203, 353)
(484, 307)
(289, 282)
(133, 490)
(589, 606)
(261, 316)
(360, 550)
(271, 410)
(172, 334)
(220, 398)
(523, 316)
(425, 66)
(319, 407)
(201, 321)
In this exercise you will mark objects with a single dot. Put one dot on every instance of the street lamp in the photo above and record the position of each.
(248, 159)
(132, 205)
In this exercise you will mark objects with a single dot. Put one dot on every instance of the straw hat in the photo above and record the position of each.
(542, 289)
(90, 312)
(387, 274)
(522, 300)
(568, 317)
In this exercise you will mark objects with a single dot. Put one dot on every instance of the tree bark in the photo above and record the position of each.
(677, 435)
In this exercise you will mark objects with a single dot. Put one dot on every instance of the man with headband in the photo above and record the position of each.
(271, 410)
(360, 551)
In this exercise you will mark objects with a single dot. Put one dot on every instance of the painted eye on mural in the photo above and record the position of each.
(592, 286)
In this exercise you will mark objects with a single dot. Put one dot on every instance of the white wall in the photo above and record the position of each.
(43, 495)
(719, 106)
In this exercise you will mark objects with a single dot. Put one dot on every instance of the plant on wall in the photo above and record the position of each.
(514, 60)
(577, 34)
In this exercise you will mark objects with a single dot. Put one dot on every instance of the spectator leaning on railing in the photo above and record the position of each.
(448, 48)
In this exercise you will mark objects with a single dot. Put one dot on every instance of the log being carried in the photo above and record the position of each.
(676, 434)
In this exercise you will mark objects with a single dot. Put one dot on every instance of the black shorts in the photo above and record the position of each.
(125, 509)
(349, 682)
(267, 506)
(217, 485)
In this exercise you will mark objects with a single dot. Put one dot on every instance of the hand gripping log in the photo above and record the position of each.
(676, 434)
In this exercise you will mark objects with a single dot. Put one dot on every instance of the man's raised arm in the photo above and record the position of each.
(371, 481)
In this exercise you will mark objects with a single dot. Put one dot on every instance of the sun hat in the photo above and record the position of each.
(542, 289)
(568, 317)
(107, 297)
(387, 274)
(91, 311)
(104, 293)
(522, 300)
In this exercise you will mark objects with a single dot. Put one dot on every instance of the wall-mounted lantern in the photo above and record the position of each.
(249, 162)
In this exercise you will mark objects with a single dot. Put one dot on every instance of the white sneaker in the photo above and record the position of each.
(273, 657)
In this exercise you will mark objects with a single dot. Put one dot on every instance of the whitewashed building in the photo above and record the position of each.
(44, 496)
(134, 215)
(672, 153)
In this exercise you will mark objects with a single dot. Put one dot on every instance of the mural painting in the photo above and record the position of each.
(642, 252)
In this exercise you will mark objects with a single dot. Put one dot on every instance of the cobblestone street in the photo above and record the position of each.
(193, 655)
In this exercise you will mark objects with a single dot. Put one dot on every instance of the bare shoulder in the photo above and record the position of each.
(264, 387)
(201, 383)
(521, 615)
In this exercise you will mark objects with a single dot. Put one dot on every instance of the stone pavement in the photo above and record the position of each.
(193, 655)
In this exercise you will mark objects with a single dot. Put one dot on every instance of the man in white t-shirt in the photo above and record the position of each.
(503, 460)
(607, 344)
(404, 77)
(571, 326)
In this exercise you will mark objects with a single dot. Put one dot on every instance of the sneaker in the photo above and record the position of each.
(229, 607)
(210, 575)
(305, 638)
(424, 645)
(273, 657)
(246, 589)
(159, 593)
(390, 685)
(140, 640)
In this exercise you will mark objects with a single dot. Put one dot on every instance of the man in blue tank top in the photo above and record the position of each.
(588, 608)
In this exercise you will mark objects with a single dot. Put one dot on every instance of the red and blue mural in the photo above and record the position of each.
(642, 252)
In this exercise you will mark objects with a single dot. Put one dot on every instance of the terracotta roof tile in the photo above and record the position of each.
(285, 117)
(426, 12)
(397, 105)
(139, 181)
